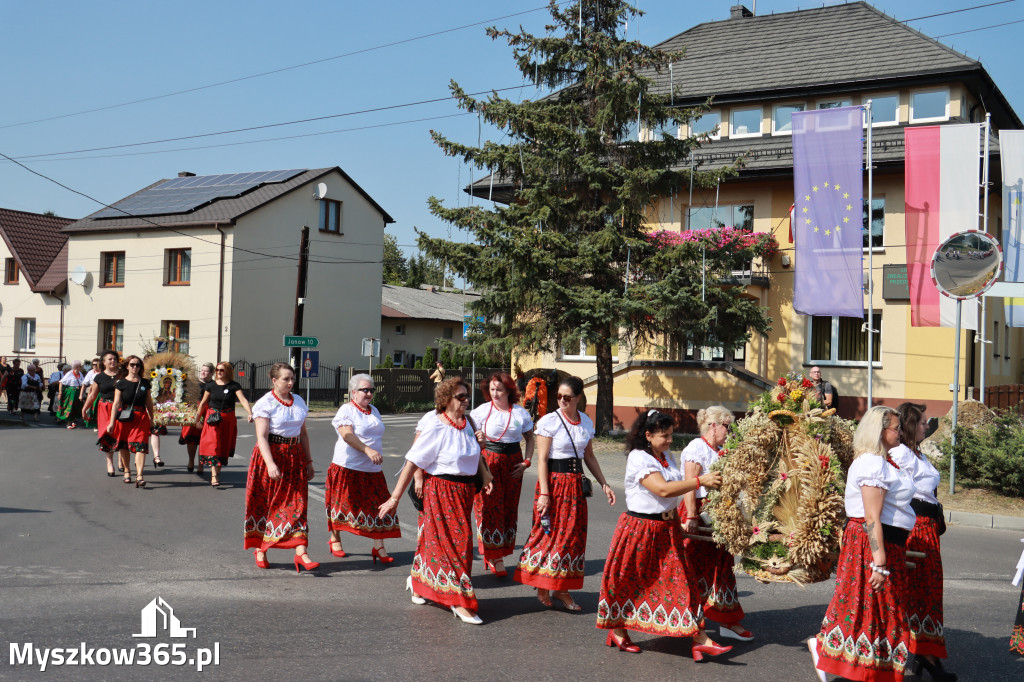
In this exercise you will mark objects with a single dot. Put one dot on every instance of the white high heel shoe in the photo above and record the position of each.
(812, 646)
(415, 599)
(472, 620)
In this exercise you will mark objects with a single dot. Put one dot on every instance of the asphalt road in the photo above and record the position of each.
(83, 554)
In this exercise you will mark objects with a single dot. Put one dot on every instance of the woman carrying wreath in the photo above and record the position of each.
(220, 432)
(712, 563)
(191, 433)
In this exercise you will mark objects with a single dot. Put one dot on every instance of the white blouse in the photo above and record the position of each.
(440, 448)
(550, 426)
(71, 379)
(640, 465)
(285, 420)
(368, 428)
(699, 452)
(926, 476)
(872, 470)
(504, 427)
(89, 377)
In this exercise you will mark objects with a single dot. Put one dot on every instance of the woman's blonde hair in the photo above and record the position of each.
(868, 436)
(716, 414)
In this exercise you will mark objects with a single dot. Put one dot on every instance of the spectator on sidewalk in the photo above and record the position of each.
(53, 388)
(12, 383)
(824, 391)
(438, 374)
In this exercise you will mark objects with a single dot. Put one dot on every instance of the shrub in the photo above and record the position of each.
(989, 456)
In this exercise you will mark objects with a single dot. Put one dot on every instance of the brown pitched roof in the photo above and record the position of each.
(36, 242)
(227, 210)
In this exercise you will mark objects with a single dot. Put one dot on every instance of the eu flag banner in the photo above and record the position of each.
(1011, 155)
(829, 211)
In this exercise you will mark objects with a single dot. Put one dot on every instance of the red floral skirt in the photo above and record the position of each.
(712, 567)
(102, 419)
(647, 585)
(865, 635)
(443, 566)
(192, 432)
(555, 560)
(133, 435)
(924, 591)
(275, 511)
(352, 499)
(497, 514)
(1017, 638)
(217, 442)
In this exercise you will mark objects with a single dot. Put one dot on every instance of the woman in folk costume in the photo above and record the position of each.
(192, 433)
(70, 389)
(865, 634)
(447, 452)
(356, 486)
(924, 589)
(132, 399)
(553, 557)
(647, 586)
(1017, 637)
(220, 433)
(712, 564)
(502, 428)
(101, 394)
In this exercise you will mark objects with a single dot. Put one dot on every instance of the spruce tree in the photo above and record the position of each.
(571, 256)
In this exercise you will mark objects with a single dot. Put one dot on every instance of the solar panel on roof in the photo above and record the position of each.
(183, 195)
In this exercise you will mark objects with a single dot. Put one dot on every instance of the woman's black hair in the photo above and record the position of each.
(650, 421)
(575, 385)
(910, 416)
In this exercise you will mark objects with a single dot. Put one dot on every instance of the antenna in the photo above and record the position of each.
(78, 275)
(321, 191)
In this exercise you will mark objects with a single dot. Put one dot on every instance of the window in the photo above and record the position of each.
(929, 105)
(112, 267)
(179, 267)
(782, 118)
(657, 135)
(885, 109)
(843, 341)
(399, 329)
(330, 216)
(745, 122)
(875, 239)
(995, 339)
(834, 103)
(112, 335)
(726, 215)
(575, 348)
(1006, 343)
(177, 336)
(398, 358)
(448, 332)
(11, 272)
(25, 328)
(710, 123)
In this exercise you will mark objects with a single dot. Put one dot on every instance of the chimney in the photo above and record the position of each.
(186, 174)
(739, 12)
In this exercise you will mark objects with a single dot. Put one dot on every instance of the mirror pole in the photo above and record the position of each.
(956, 400)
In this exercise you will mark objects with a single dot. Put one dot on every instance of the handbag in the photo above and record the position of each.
(941, 521)
(213, 417)
(585, 483)
(416, 500)
(125, 415)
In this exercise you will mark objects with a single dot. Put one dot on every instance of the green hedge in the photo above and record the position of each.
(990, 456)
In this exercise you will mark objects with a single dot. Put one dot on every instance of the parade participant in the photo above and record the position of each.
(868, 605)
(12, 383)
(280, 469)
(219, 435)
(70, 386)
(645, 563)
(712, 563)
(924, 591)
(4, 369)
(89, 406)
(356, 486)
(101, 394)
(53, 388)
(30, 399)
(449, 454)
(191, 433)
(131, 395)
(1017, 636)
(553, 557)
(502, 425)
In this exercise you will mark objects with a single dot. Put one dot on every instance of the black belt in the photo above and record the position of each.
(455, 478)
(274, 438)
(669, 515)
(926, 509)
(570, 465)
(890, 534)
(501, 448)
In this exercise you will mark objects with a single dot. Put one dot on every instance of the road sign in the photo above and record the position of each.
(310, 364)
(472, 324)
(301, 342)
(371, 347)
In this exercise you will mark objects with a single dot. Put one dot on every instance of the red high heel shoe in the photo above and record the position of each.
(709, 649)
(302, 563)
(624, 644)
(261, 563)
(494, 569)
(336, 552)
(376, 554)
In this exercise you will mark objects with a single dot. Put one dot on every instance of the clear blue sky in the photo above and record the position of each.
(64, 57)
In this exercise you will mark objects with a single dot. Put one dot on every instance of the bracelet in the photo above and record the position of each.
(543, 495)
(527, 463)
(880, 569)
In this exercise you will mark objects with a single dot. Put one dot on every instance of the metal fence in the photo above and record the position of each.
(399, 386)
(330, 386)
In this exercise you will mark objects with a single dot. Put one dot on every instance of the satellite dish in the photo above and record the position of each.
(966, 264)
(321, 191)
(78, 275)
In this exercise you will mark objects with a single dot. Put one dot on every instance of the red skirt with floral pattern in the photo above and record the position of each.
(133, 435)
(193, 432)
(217, 442)
(555, 560)
(442, 568)
(1017, 637)
(497, 514)
(712, 566)
(865, 635)
(275, 511)
(352, 499)
(647, 585)
(924, 591)
(102, 419)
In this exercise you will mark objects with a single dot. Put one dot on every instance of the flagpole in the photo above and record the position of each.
(984, 228)
(956, 401)
(871, 249)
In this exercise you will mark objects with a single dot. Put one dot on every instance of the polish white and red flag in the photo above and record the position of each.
(942, 179)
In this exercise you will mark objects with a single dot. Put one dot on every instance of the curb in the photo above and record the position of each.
(990, 521)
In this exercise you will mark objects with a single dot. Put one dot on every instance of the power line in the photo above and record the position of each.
(983, 28)
(955, 11)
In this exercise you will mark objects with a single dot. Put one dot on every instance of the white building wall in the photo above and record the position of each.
(18, 301)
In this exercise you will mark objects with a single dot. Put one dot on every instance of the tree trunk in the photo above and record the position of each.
(603, 413)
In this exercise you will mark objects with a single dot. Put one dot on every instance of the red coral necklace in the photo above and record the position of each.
(278, 399)
(452, 422)
(366, 411)
(569, 419)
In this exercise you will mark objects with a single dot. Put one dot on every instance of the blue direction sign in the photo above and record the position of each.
(301, 342)
(310, 364)
(472, 324)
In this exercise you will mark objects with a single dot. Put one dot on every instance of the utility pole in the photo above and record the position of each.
(300, 294)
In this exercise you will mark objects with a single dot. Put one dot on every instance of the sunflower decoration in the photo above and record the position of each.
(174, 400)
(152, 374)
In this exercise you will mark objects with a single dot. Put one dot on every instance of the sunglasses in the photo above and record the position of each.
(365, 390)
(565, 397)
(221, 370)
(135, 364)
(462, 397)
